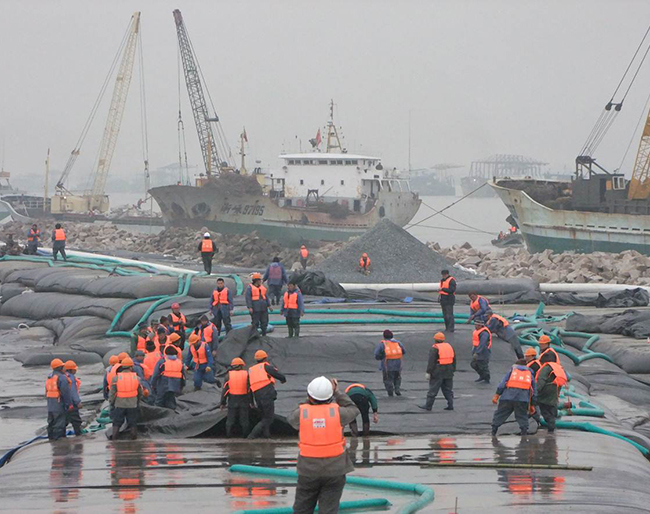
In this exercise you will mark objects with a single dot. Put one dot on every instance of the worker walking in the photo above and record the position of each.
(545, 348)
(221, 306)
(126, 393)
(236, 394)
(168, 378)
(33, 239)
(72, 414)
(207, 249)
(478, 308)
(304, 256)
(59, 400)
(293, 308)
(262, 376)
(390, 352)
(323, 460)
(447, 299)
(550, 378)
(203, 363)
(516, 393)
(481, 351)
(365, 400)
(364, 264)
(178, 323)
(275, 276)
(58, 242)
(440, 372)
(501, 327)
(258, 303)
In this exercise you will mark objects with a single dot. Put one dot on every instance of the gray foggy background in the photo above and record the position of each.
(479, 77)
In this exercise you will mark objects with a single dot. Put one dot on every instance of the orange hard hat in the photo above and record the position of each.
(544, 339)
(173, 337)
(303, 246)
(260, 355)
(237, 361)
(364, 254)
(531, 352)
(123, 356)
(127, 363)
(256, 276)
(176, 305)
(193, 338)
(114, 359)
(70, 365)
(439, 337)
(56, 363)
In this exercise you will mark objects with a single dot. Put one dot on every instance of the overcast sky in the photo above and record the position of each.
(479, 77)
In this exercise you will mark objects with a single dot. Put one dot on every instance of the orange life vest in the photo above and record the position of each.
(178, 321)
(560, 375)
(142, 343)
(256, 292)
(220, 297)
(392, 349)
(291, 300)
(110, 375)
(445, 284)
(321, 432)
(207, 333)
(173, 368)
(534, 365)
(52, 387)
(34, 235)
(475, 305)
(364, 263)
(238, 382)
(127, 384)
(207, 246)
(445, 353)
(476, 336)
(549, 349)
(513, 229)
(176, 349)
(59, 235)
(147, 371)
(151, 359)
(352, 386)
(503, 320)
(199, 355)
(520, 379)
(304, 253)
(258, 377)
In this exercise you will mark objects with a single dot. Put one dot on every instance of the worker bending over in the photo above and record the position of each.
(364, 399)
(126, 393)
(481, 351)
(262, 376)
(275, 276)
(364, 264)
(59, 400)
(236, 394)
(222, 306)
(293, 308)
(258, 303)
(58, 242)
(304, 256)
(72, 415)
(447, 299)
(440, 372)
(390, 352)
(478, 308)
(207, 249)
(168, 378)
(501, 327)
(516, 393)
(323, 460)
(200, 358)
(550, 378)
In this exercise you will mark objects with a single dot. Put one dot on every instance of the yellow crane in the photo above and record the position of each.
(640, 183)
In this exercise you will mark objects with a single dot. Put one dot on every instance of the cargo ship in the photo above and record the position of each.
(498, 166)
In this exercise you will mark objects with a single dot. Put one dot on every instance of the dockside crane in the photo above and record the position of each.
(215, 150)
(640, 183)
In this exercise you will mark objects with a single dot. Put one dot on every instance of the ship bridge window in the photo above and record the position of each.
(322, 161)
(307, 161)
(348, 163)
(302, 182)
(342, 182)
(322, 182)
(339, 162)
(292, 161)
(618, 183)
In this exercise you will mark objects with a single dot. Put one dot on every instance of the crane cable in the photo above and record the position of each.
(183, 177)
(642, 116)
(143, 116)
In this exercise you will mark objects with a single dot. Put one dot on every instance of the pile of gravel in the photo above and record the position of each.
(396, 257)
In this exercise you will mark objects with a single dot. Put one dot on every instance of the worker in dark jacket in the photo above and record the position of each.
(275, 276)
(293, 308)
(478, 308)
(481, 351)
(364, 399)
(168, 378)
(237, 395)
(262, 376)
(516, 393)
(59, 400)
(447, 299)
(258, 303)
(550, 378)
(221, 306)
(323, 461)
(58, 242)
(72, 415)
(207, 249)
(33, 239)
(503, 329)
(545, 347)
(390, 352)
(125, 396)
(440, 372)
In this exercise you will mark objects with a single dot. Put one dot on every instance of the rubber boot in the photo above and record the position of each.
(354, 429)
(366, 429)
(296, 331)
(133, 433)
(115, 433)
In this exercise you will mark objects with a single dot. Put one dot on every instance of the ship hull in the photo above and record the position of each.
(218, 211)
(580, 231)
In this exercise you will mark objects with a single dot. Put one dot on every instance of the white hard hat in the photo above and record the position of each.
(320, 389)
(207, 234)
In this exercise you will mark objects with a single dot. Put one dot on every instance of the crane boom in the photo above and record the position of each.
(640, 183)
(115, 113)
(209, 145)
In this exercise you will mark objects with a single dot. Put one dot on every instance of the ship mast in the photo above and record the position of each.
(333, 141)
(242, 139)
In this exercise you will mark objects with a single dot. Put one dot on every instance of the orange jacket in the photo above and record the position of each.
(444, 284)
(52, 387)
(256, 292)
(199, 354)
(364, 263)
(59, 234)
(321, 433)
(476, 336)
(304, 253)
(207, 246)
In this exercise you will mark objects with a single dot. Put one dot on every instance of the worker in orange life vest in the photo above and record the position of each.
(447, 299)
(207, 249)
(112, 361)
(178, 323)
(275, 276)
(440, 372)
(481, 351)
(545, 347)
(390, 353)
(221, 306)
(293, 308)
(58, 242)
(237, 395)
(33, 239)
(364, 264)
(516, 393)
(200, 359)
(168, 378)
(478, 308)
(323, 460)
(72, 415)
(258, 303)
(262, 377)
(139, 338)
(503, 329)
(550, 378)
(365, 400)
(304, 256)
(126, 393)
(59, 400)
(143, 371)
(208, 334)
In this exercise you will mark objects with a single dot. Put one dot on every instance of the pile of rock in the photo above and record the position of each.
(628, 267)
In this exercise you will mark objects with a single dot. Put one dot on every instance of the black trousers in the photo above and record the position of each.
(324, 491)
(220, 318)
(392, 381)
(363, 405)
(237, 412)
(274, 293)
(267, 410)
(435, 384)
(260, 319)
(507, 407)
(207, 262)
(549, 413)
(448, 315)
(482, 368)
(59, 249)
(293, 324)
(56, 425)
(73, 417)
(118, 415)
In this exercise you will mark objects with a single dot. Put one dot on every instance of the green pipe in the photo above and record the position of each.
(373, 503)
(589, 427)
(426, 493)
(595, 412)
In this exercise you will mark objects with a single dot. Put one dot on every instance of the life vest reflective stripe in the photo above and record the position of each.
(207, 246)
(256, 292)
(503, 320)
(549, 349)
(321, 432)
(445, 284)
(178, 320)
(476, 336)
(127, 384)
(52, 387)
(392, 350)
(199, 355)
(34, 236)
(258, 377)
(558, 371)
(291, 300)
(151, 359)
(520, 379)
(207, 333)
(352, 386)
(111, 374)
(364, 263)
(173, 368)
(238, 382)
(220, 297)
(275, 271)
(304, 253)
(475, 305)
(59, 235)
(445, 353)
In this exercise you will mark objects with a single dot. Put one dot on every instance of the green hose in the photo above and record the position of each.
(373, 503)
(588, 427)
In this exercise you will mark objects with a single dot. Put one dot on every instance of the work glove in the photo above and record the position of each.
(375, 418)
(427, 376)
(145, 393)
(208, 369)
(531, 409)
(495, 399)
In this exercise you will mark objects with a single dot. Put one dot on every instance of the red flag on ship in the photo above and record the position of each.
(318, 138)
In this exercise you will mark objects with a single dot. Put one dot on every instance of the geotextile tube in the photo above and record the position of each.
(426, 493)
(371, 504)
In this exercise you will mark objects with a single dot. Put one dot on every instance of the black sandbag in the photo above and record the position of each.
(44, 357)
(630, 323)
(80, 328)
(202, 287)
(8, 291)
(133, 286)
(637, 297)
(497, 286)
(8, 267)
(316, 283)
(62, 280)
(57, 305)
